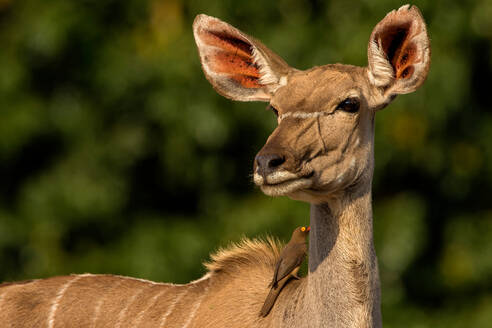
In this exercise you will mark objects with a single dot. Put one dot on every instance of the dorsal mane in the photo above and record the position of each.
(248, 252)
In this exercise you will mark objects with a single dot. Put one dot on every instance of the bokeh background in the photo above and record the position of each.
(117, 156)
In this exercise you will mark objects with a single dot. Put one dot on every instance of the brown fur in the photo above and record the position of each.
(245, 253)
(115, 301)
(360, 275)
(320, 153)
(287, 266)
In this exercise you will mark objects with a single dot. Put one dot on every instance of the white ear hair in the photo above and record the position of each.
(267, 75)
(381, 72)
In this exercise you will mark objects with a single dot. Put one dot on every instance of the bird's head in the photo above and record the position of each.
(301, 233)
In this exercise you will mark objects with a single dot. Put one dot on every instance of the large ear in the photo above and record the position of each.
(238, 66)
(399, 53)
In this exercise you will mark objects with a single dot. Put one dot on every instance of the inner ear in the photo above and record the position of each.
(399, 49)
(237, 65)
(231, 56)
(399, 53)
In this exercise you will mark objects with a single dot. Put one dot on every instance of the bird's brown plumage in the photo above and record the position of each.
(287, 266)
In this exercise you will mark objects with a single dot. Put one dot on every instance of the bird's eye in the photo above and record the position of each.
(303, 229)
(349, 105)
(273, 109)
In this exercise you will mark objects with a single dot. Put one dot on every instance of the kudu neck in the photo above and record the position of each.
(341, 223)
(343, 282)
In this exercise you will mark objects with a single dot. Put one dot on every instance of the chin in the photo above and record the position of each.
(297, 190)
(286, 188)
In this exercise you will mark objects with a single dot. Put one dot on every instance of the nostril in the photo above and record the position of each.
(276, 161)
(268, 162)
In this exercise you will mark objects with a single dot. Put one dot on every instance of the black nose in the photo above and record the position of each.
(268, 163)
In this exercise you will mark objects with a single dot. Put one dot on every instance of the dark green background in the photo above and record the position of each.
(117, 156)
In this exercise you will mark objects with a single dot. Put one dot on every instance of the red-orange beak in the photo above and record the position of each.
(308, 229)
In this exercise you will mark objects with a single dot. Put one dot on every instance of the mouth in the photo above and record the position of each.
(283, 183)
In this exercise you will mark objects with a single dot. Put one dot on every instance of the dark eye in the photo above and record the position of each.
(350, 105)
(273, 109)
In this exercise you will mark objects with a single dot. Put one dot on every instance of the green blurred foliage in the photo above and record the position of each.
(116, 155)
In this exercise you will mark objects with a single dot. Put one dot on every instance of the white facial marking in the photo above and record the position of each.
(257, 179)
(302, 115)
(357, 141)
(286, 187)
(280, 176)
(339, 178)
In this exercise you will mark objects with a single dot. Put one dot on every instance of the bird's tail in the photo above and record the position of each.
(270, 301)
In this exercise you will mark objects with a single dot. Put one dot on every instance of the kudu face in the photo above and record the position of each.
(323, 143)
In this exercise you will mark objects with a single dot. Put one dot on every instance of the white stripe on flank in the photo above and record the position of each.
(99, 303)
(125, 309)
(5, 291)
(171, 307)
(59, 295)
(152, 301)
(97, 308)
(196, 307)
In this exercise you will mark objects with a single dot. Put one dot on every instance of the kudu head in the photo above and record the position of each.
(323, 144)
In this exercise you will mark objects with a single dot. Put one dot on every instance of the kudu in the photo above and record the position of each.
(321, 152)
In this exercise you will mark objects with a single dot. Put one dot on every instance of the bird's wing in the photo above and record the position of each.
(296, 255)
(274, 279)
